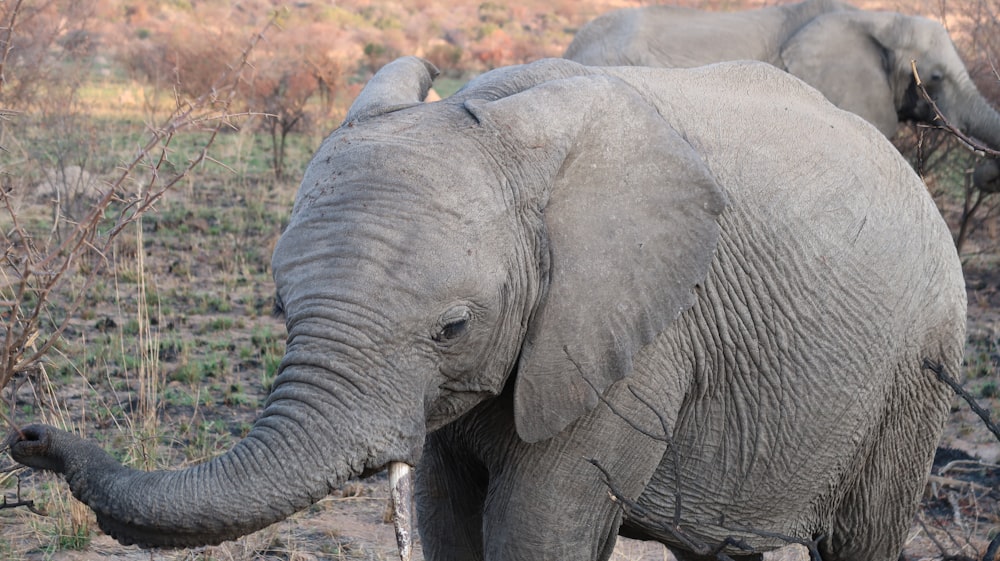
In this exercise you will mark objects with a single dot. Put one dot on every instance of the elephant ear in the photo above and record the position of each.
(630, 218)
(402, 83)
(841, 55)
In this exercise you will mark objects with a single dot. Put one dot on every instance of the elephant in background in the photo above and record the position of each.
(860, 60)
(710, 282)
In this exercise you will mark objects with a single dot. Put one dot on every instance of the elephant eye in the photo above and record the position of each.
(279, 307)
(453, 324)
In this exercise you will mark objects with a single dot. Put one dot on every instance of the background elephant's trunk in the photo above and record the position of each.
(287, 462)
(981, 121)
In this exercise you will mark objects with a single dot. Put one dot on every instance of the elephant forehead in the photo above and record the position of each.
(375, 221)
(397, 236)
(438, 169)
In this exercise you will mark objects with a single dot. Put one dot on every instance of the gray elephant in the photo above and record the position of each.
(860, 60)
(710, 283)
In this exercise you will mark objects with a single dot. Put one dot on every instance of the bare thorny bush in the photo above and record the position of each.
(45, 277)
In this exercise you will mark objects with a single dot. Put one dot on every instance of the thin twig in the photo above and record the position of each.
(938, 369)
(939, 116)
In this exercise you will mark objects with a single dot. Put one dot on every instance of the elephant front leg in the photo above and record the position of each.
(546, 522)
(450, 490)
(548, 502)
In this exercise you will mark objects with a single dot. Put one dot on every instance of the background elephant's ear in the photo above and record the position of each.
(399, 84)
(841, 55)
(631, 223)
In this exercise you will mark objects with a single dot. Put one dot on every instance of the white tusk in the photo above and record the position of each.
(401, 490)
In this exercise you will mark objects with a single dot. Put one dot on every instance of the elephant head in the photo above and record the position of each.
(860, 60)
(435, 253)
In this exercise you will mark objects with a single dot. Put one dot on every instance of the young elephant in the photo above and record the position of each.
(710, 283)
(860, 60)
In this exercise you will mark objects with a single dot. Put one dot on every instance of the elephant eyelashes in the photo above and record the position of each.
(453, 324)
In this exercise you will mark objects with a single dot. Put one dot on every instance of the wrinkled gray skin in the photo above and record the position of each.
(562, 263)
(860, 60)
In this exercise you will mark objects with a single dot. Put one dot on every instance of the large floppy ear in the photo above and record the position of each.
(845, 57)
(401, 83)
(630, 217)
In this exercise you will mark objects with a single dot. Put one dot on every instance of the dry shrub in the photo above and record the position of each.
(294, 82)
(38, 41)
(189, 59)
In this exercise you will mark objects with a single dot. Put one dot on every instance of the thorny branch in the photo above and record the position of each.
(938, 370)
(18, 501)
(977, 147)
(638, 513)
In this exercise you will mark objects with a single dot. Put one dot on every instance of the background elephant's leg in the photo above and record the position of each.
(876, 512)
(451, 490)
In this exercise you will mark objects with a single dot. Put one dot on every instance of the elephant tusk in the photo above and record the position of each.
(401, 491)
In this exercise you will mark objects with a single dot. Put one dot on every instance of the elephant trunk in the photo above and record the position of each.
(287, 462)
(982, 122)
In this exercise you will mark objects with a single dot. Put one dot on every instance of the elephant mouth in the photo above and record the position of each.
(401, 491)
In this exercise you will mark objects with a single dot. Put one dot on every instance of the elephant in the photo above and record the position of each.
(860, 60)
(685, 305)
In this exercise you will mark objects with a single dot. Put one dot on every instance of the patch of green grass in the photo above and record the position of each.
(131, 327)
(67, 526)
(132, 362)
(212, 304)
(221, 323)
(989, 390)
(179, 397)
(266, 341)
(75, 539)
(172, 348)
(211, 366)
(269, 348)
(207, 439)
(215, 365)
(235, 396)
(7, 550)
(270, 371)
(187, 373)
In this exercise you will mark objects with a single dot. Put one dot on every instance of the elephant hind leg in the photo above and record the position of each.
(875, 515)
(451, 491)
